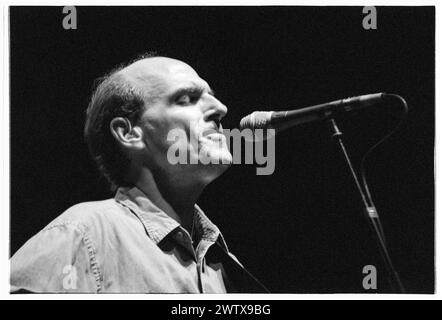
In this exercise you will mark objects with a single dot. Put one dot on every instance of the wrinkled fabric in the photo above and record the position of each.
(127, 245)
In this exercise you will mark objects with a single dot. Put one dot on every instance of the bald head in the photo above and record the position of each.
(153, 76)
(153, 66)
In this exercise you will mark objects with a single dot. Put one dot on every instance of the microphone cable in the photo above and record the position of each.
(372, 211)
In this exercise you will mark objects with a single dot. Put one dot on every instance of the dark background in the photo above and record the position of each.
(298, 230)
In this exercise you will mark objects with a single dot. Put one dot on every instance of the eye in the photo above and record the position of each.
(183, 99)
(188, 96)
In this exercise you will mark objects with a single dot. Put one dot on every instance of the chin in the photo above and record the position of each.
(218, 161)
(221, 158)
(213, 156)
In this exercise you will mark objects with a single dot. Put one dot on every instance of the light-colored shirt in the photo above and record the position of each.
(127, 245)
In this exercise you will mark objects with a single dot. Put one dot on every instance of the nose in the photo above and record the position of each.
(216, 110)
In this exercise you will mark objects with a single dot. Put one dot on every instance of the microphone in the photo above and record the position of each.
(281, 120)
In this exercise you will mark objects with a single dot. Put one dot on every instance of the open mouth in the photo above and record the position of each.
(211, 131)
(214, 134)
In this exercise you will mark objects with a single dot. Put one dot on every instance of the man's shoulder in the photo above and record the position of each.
(86, 209)
(72, 241)
(85, 215)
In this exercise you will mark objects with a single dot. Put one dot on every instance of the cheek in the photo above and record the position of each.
(174, 126)
(188, 127)
(162, 136)
(156, 137)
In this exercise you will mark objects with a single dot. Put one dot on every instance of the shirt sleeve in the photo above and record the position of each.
(59, 259)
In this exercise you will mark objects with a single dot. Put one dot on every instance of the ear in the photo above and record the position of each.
(127, 135)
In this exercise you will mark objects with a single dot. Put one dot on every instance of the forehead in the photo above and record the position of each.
(157, 77)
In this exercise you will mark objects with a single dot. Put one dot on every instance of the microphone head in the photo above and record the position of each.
(256, 120)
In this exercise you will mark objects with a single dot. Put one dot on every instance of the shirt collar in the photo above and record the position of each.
(158, 224)
(207, 229)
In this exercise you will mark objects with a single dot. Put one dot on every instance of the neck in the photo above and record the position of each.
(170, 194)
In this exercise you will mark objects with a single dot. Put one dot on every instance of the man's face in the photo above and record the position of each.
(181, 122)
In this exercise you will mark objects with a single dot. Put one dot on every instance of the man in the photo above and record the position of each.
(152, 237)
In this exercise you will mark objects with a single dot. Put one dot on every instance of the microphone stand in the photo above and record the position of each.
(370, 211)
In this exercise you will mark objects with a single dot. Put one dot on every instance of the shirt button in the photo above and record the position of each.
(180, 235)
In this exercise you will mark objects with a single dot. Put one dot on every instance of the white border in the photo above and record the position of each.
(4, 142)
(5, 181)
(226, 3)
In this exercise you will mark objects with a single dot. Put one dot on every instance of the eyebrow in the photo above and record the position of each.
(192, 89)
